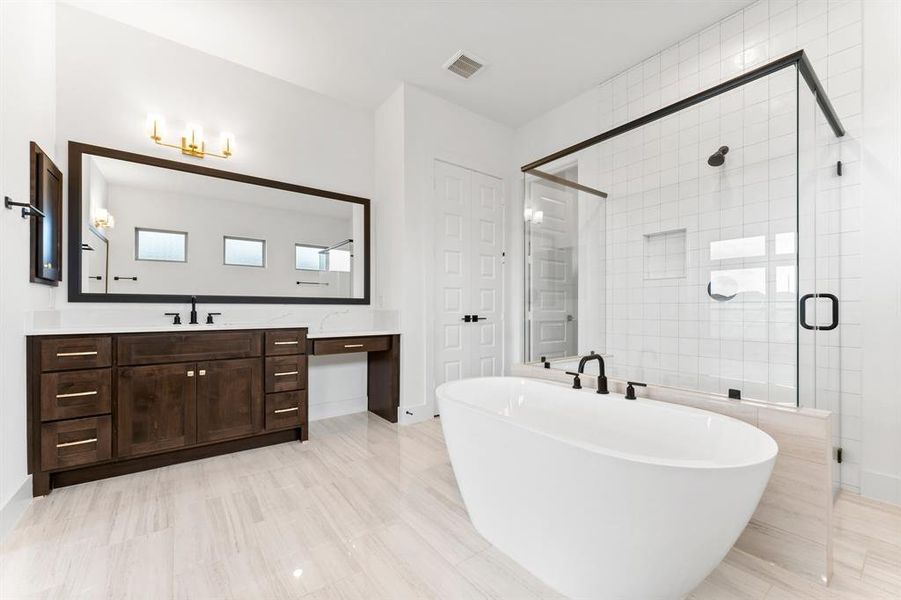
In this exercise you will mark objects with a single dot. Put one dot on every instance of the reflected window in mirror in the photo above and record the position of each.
(310, 258)
(339, 260)
(161, 245)
(244, 252)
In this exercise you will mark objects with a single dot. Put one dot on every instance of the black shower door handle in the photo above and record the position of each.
(803, 310)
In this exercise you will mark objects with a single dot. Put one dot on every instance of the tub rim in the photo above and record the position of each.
(771, 452)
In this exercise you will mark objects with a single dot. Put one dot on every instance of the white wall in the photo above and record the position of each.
(880, 432)
(27, 113)
(854, 49)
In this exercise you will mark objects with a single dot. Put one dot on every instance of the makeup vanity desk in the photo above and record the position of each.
(383, 372)
(105, 402)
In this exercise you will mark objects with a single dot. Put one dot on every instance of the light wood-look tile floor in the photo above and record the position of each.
(364, 510)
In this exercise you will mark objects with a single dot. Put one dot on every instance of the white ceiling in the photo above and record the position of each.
(539, 53)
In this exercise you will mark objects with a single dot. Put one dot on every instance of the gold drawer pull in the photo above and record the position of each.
(78, 443)
(292, 343)
(284, 410)
(77, 394)
(284, 373)
(64, 354)
(353, 345)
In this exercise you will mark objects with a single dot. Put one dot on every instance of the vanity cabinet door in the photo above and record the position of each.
(229, 399)
(156, 408)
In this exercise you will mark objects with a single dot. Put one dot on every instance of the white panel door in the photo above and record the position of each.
(553, 300)
(453, 213)
(469, 236)
(487, 290)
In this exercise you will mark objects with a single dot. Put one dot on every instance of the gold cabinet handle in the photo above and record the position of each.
(77, 394)
(285, 410)
(291, 343)
(284, 373)
(353, 345)
(190, 373)
(63, 354)
(78, 443)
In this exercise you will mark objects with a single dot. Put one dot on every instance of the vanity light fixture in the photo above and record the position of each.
(103, 219)
(192, 142)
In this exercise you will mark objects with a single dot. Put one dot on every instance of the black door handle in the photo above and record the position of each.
(467, 318)
(803, 312)
(477, 318)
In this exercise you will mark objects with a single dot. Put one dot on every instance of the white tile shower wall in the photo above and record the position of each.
(659, 180)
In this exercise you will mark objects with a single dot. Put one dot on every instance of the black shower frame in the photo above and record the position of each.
(798, 58)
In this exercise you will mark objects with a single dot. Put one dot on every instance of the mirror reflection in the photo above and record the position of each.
(151, 230)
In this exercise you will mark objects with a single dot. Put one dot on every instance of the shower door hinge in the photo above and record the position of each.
(838, 455)
(838, 168)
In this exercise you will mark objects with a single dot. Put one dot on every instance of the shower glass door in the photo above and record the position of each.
(819, 267)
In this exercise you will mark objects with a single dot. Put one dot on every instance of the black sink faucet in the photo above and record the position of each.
(602, 376)
(193, 310)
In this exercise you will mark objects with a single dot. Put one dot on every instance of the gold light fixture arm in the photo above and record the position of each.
(190, 147)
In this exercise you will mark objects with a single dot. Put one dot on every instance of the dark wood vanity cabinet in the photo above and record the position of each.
(104, 405)
(156, 408)
(229, 399)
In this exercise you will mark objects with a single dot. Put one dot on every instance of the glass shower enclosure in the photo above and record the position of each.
(697, 246)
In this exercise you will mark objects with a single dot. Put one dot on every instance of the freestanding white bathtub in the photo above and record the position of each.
(598, 496)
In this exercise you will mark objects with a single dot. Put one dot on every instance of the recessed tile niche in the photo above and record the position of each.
(665, 254)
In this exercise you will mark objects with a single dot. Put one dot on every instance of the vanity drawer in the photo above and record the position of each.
(72, 394)
(59, 354)
(286, 409)
(286, 341)
(75, 442)
(155, 349)
(286, 373)
(346, 345)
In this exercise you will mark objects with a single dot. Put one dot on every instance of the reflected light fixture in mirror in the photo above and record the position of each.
(534, 216)
(192, 142)
(103, 219)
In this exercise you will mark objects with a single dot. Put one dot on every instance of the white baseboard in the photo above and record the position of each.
(337, 408)
(15, 508)
(880, 486)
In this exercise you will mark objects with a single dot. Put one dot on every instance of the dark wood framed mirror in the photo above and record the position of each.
(169, 230)
(47, 227)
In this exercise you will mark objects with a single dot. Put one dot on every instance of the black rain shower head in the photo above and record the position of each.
(719, 157)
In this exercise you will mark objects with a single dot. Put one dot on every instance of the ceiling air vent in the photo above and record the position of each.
(463, 65)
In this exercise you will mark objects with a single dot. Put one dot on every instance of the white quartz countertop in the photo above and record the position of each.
(88, 329)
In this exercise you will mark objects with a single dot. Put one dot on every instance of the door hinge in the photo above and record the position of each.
(838, 168)
(838, 455)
